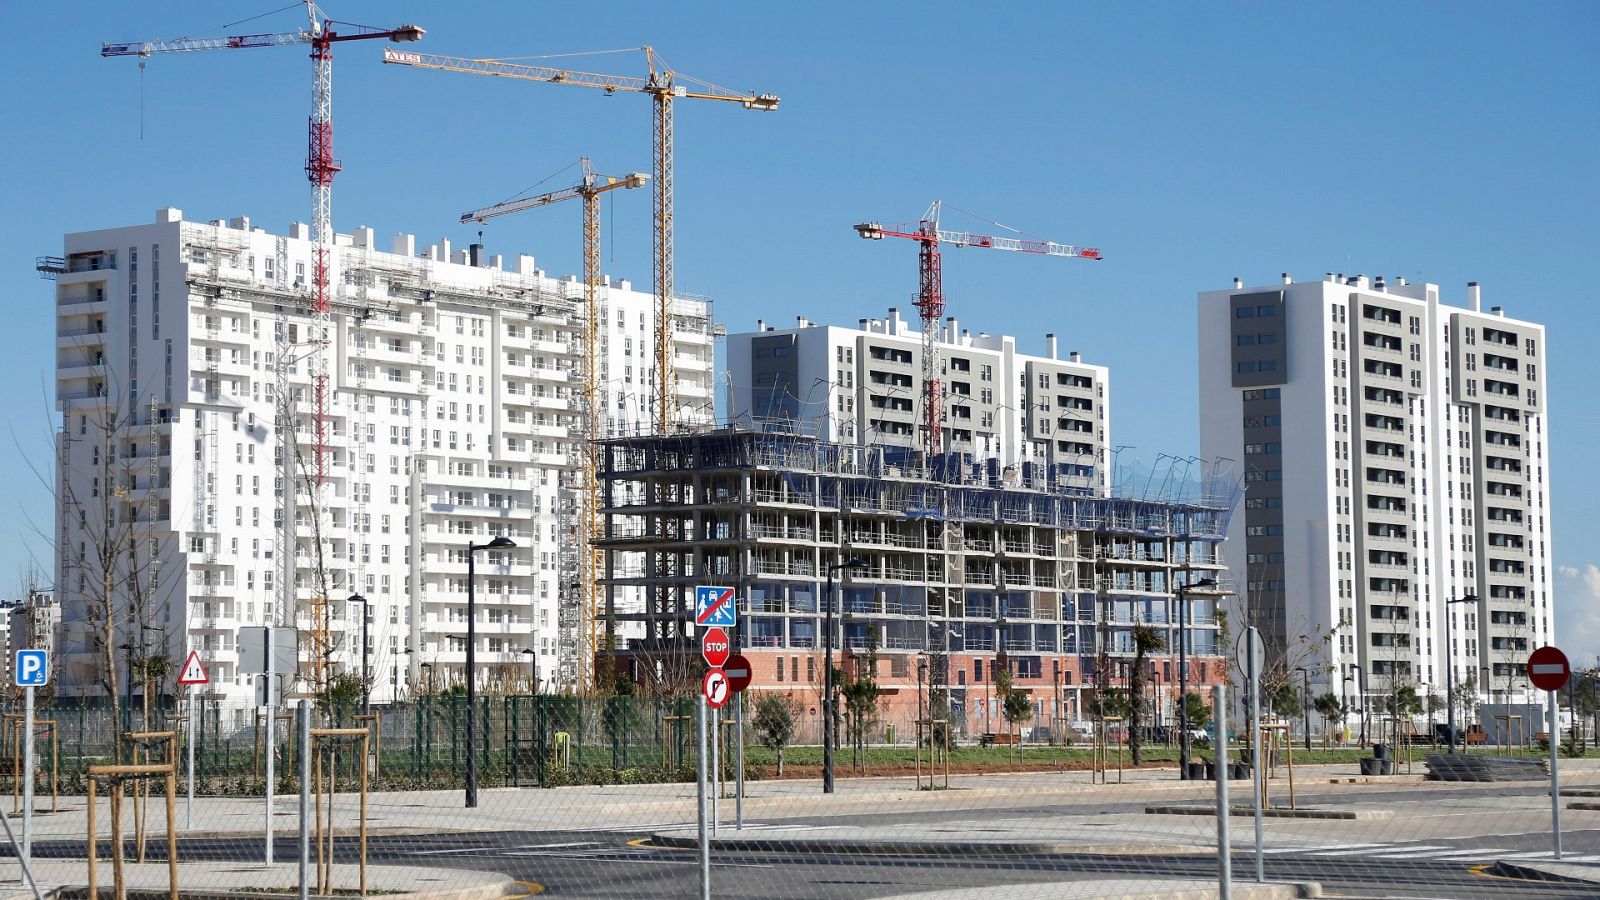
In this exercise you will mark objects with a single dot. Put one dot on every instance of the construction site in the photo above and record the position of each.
(966, 570)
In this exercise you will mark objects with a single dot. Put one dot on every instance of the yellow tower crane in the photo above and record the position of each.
(587, 451)
(664, 86)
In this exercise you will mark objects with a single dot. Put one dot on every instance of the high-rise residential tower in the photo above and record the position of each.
(1396, 455)
(453, 394)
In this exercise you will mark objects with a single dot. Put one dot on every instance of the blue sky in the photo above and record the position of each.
(1191, 142)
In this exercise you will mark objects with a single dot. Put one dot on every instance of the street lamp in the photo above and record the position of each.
(830, 726)
(1449, 671)
(500, 542)
(1183, 672)
(533, 669)
(1358, 676)
(1305, 703)
(366, 670)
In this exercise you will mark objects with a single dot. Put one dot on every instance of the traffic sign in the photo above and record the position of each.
(1250, 648)
(714, 606)
(716, 688)
(739, 672)
(32, 668)
(194, 671)
(714, 646)
(1548, 669)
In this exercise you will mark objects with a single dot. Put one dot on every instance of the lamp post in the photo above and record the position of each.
(500, 542)
(366, 670)
(1305, 703)
(533, 669)
(1184, 621)
(1449, 671)
(830, 726)
(1360, 679)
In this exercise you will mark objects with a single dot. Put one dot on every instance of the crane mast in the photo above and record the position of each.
(585, 452)
(930, 300)
(320, 167)
(664, 87)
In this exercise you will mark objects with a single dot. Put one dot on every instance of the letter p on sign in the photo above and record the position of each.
(32, 668)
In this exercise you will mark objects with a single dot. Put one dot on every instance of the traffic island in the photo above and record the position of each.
(68, 880)
(1548, 871)
(1273, 812)
(1133, 889)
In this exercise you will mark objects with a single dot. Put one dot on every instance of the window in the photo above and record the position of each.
(1244, 312)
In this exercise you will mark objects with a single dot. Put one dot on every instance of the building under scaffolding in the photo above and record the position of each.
(968, 566)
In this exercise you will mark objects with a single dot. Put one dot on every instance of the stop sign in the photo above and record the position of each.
(714, 646)
(1548, 669)
(739, 672)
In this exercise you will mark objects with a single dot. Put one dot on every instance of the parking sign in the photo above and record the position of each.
(32, 668)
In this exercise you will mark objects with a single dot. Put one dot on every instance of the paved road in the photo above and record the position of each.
(598, 864)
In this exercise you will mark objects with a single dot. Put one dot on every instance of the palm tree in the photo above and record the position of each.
(1145, 639)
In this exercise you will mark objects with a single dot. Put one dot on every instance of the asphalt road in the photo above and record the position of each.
(604, 864)
(619, 863)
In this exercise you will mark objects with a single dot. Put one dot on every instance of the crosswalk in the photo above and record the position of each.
(1419, 851)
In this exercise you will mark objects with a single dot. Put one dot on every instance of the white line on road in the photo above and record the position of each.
(1315, 847)
(1477, 851)
(1365, 852)
(1402, 852)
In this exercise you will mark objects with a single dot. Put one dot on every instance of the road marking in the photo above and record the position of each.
(1400, 852)
(1360, 851)
(1534, 854)
(1316, 847)
(1479, 851)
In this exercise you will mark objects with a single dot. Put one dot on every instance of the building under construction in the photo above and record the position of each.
(968, 566)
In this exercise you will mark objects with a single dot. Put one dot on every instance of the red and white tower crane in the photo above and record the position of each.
(321, 165)
(930, 296)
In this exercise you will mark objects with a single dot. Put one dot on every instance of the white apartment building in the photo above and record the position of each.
(864, 385)
(453, 388)
(1396, 453)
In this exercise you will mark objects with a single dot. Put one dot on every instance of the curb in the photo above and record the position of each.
(1534, 873)
(918, 848)
(1273, 812)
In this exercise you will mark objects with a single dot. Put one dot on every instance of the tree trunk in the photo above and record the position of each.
(780, 762)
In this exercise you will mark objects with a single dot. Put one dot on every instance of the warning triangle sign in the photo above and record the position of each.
(194, 671)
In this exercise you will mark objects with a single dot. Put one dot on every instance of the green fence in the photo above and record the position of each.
(523, 741)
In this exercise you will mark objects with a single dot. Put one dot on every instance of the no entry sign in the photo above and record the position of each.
(1548, 669)
(739, 672)
(714, 646)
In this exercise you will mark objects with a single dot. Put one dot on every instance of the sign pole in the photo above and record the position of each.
(192, 675)
(1555, 788)
(700, 777)
(738, 749)
(28, 777)
(188, 812)
(738, 760)
(1256, 774)
(716, 769)
(1219, 702)
(270, 742)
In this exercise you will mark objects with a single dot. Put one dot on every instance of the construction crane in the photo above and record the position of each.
(321, 166)
(588, 467)
(930, 296)
(663, 85)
